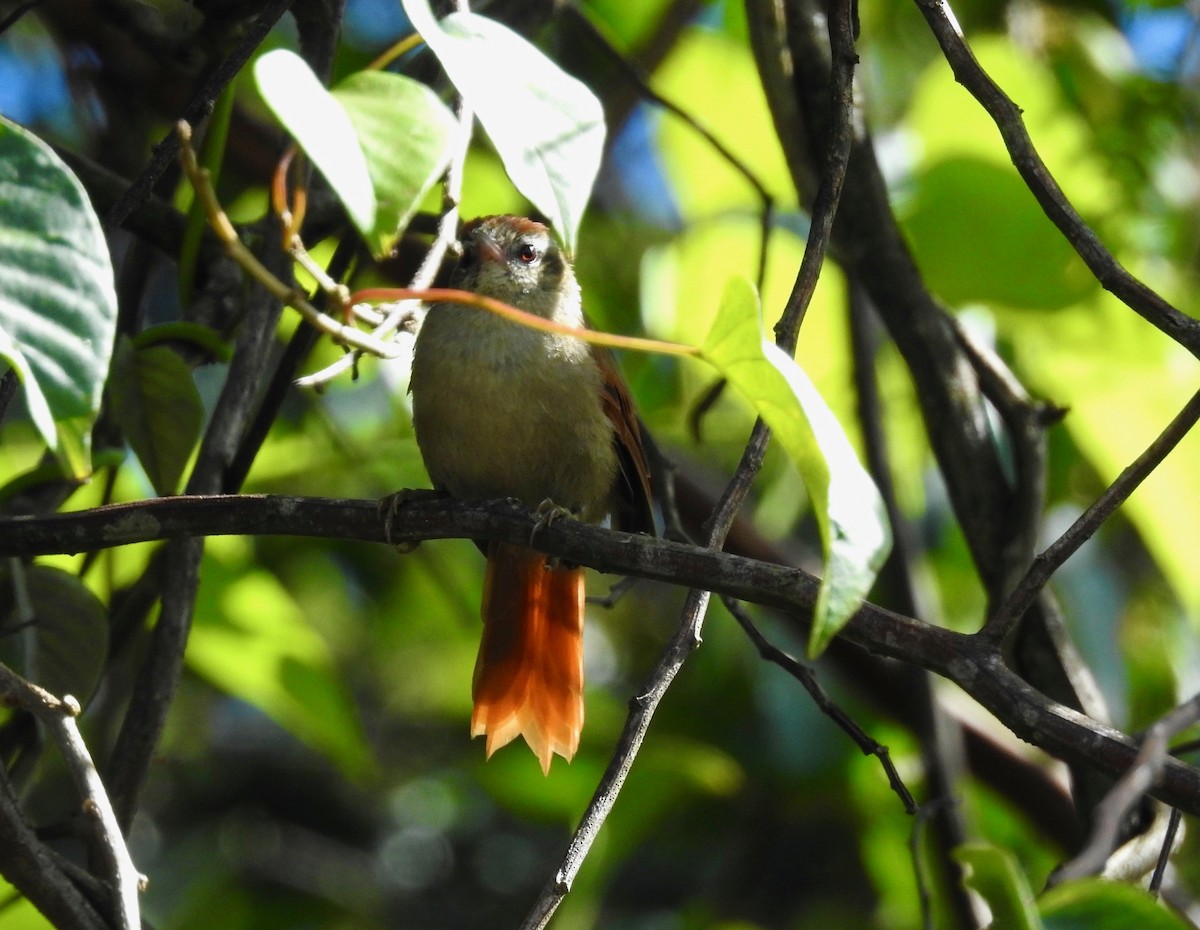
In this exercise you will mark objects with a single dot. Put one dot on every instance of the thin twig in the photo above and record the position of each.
(1128, 791)
(920, 873)
(284, 293)
(634, 74)
(833, 174)
(1007, 115)
(11, 19)
(1002, 622)
(59, 718)
(1164, 852)
(30, 867)
(803, 674)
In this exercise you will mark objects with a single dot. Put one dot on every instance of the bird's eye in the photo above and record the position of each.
(528, 254)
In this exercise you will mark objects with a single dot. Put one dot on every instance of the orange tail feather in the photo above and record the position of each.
(529, 674)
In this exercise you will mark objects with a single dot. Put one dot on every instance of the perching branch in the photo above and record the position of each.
(972, 662)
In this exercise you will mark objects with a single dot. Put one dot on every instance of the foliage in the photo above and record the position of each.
(314, 768)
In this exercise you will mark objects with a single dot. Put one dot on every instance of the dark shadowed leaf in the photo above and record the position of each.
(56, 630)
(158, 408)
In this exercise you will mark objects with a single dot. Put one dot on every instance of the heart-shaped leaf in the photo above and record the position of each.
(320, 126)
(58, 305)
(406, 134)
(849, 510)
(547, 127)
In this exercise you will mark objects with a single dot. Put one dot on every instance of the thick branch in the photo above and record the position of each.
(970, 662)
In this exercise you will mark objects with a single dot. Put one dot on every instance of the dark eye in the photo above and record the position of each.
(528, 254)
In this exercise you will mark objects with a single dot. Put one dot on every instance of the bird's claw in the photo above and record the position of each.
(389, 508)
(547, 512)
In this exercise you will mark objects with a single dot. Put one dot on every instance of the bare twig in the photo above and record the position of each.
(289, 295)
(833, 175)
(59, 718)
(803, 674)
(637, 78)
(1130, 790)
(1047, 563)
(1007, 115)
(1164, 853)
(21, 9)
(30, 867)
(920, 873)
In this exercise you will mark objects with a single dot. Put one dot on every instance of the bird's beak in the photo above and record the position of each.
(487, 249)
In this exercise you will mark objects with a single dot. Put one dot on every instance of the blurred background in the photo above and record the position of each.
(317, 770)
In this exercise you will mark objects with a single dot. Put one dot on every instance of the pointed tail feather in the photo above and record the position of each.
(529, 674)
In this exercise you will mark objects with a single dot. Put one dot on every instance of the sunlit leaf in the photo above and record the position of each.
(547, 126)
(157, 406)
(848, 508)
(969, 255)
(58, 306)
(994, 873)
(406, 134)
(321, 127)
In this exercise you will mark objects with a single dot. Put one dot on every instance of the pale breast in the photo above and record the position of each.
(503, 411)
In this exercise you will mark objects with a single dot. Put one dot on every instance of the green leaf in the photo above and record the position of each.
(969, 255)
(58, 305)
(251, 640)
(994, 873)
(1097, 904)
(157, 406)
(406, 134)
(320, 125)
(849, 511)
(56, 629)
(547, 126)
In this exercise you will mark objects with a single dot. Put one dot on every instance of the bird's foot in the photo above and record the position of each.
(547, 512)
(390, 506)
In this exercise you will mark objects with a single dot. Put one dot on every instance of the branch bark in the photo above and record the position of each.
(972, 662)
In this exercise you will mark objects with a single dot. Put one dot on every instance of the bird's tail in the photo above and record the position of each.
(529, 674)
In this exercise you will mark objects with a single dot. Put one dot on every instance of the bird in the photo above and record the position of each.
(501, 410)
